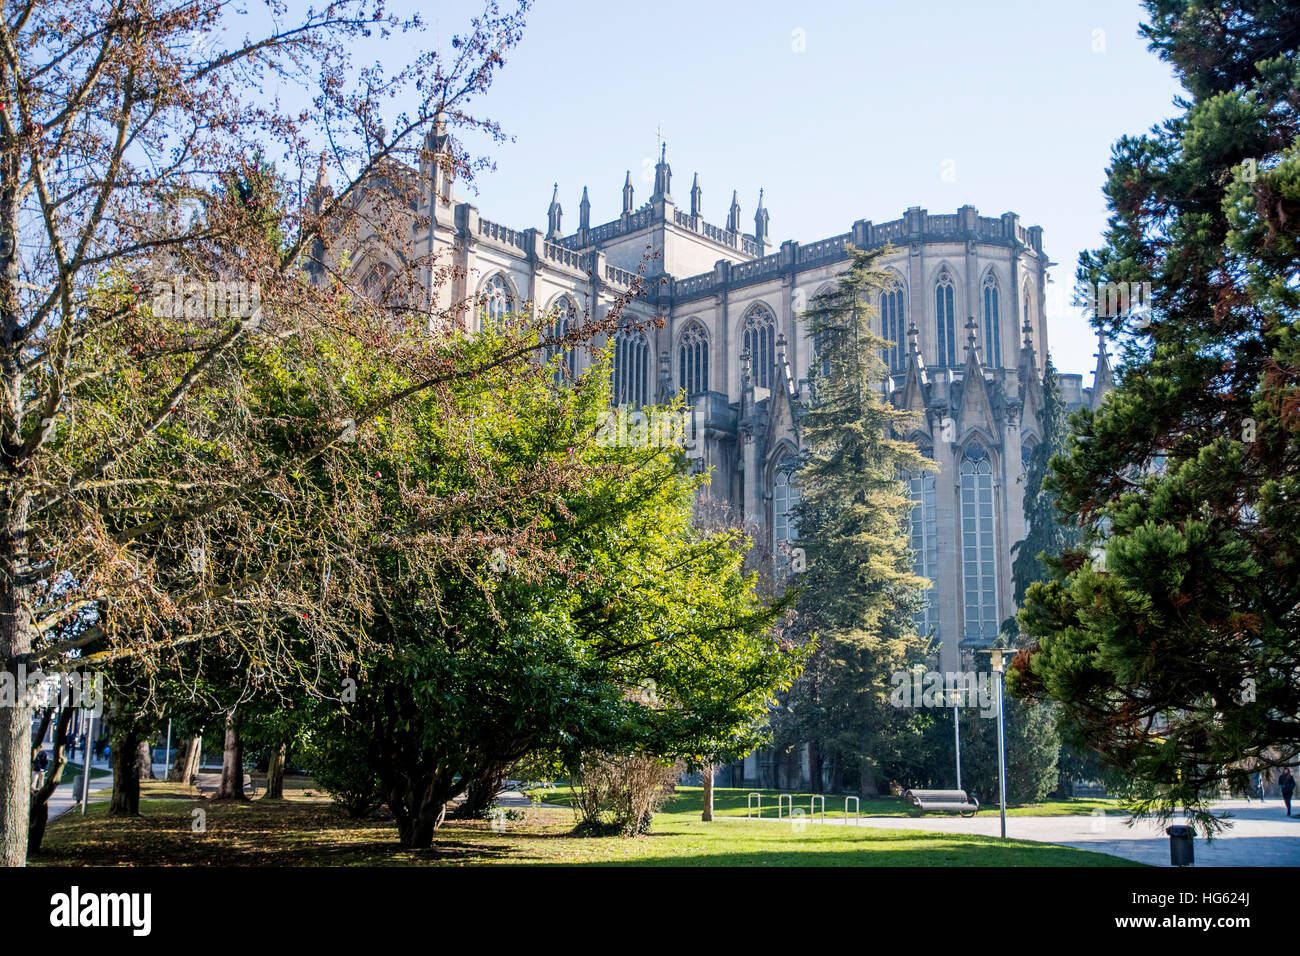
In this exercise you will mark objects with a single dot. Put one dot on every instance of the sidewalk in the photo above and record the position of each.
(64, 799)
(1261, 833)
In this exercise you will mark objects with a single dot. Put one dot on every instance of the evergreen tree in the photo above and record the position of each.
(1045, 532)
(859, 594)
(1175, 658)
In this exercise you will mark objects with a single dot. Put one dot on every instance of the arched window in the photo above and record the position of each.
(631, 380)
(992, 325)
(496, 299)
(758, 338)
(945, 316)
(693, 359)
(924, 527)
(566, 319)
(785, 498)
(979, 553)
(377, 281)
(891, 325)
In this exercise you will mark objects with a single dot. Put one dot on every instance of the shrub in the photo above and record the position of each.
(619, 794)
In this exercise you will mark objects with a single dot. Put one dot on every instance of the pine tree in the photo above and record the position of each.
(859, 594)
(1046, 533)
(1176, 659)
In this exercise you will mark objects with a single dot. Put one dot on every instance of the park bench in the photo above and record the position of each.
(203, 782)
(955, 801)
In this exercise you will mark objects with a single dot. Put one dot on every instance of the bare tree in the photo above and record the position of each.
(139, 493)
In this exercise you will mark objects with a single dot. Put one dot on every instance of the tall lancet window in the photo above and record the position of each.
(566, 319)
(758, 338)
(785, 498)
(693, 359)
(631, 380)
(891, 325)
(992, 324)
(979, 551)
(945, 317)
(924, 526)
(496, 298)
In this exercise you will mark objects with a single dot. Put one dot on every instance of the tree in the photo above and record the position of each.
(1046, 534)
(1175, 657)
(127, 470)
(637, 636)
(859, 595)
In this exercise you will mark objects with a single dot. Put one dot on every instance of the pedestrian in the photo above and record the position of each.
(1286, 783)
(39, 767)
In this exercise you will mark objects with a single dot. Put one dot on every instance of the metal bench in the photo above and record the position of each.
(204, 782)
(953, 801)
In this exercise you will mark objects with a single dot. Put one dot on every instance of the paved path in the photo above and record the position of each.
(1261, 834)
(64, 799)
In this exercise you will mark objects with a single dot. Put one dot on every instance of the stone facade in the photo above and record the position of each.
(966, 313)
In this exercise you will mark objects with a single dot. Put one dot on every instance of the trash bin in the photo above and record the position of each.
(1180, 846)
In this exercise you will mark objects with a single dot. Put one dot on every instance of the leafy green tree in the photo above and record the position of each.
(630, 633)
(859, 595)
(1175, 657)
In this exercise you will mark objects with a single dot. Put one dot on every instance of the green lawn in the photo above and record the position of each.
(734, 802)
(305, 830)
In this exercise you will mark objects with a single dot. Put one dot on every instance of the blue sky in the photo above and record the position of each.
(840, 110)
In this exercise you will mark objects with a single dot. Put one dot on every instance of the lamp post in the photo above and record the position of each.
(956, 729)
(999, 669)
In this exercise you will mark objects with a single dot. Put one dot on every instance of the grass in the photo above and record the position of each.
(733, 802)
(72, 774)
(305, 829)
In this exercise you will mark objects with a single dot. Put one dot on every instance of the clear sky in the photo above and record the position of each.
(839, 109)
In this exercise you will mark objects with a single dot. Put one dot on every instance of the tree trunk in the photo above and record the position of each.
(867, 786)
(144, 760)
(706, 774)
(15, 629)
(232, 762)
(275, 773)
(39, 814)
(814, 766)
(126, 775)
(186, 764)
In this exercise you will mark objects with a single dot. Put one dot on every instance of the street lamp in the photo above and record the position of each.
(999, 669)
(956, 729)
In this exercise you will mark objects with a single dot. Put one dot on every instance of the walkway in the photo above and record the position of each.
(1261, 833)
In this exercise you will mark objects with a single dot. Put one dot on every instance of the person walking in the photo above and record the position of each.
(1286, 783)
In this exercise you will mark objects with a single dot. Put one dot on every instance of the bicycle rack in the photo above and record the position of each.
(749, 805)
(812, 804)
(857, 810)
(780, 801)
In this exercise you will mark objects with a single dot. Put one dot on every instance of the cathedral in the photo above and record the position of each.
(964, 316)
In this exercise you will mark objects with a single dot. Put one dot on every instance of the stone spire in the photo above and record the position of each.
(584, 211)
(321, 189)
(1103, 379)
(695, 197)
(553, 215)
(733, 217)
(760, 221)
(663, 174)
(627, 194)
(970, 336)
